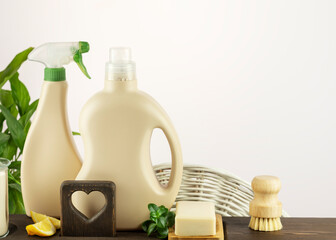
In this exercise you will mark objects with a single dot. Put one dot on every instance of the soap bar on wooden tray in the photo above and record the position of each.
(218, 236)
(195, 219)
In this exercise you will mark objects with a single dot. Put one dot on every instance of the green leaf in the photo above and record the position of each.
(15, 201)
(170, 219)
(16, 174)
(152, 207)
(29, 113)
(2, 119)
(9, 150)
(20, 94)
(162, 210)
(161, 223)
(33, 105)
(13, 110)
(11, 201)
(27, 127)
(15, 128)
(14, 65)
(15, 165)
(6, 98)
(151, 228)
(162, 233)
(14, 186)
(12, 179)
(4, 138)
(154, 216)
(75, 133)
(146, 224)
(2, 149)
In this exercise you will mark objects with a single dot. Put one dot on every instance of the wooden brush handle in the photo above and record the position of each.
(266, 203)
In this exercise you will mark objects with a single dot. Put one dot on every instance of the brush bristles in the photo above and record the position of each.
(265, 224)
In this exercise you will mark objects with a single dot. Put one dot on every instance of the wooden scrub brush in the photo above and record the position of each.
(265, 208)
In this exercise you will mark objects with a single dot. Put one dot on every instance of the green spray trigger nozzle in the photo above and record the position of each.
(83, 48)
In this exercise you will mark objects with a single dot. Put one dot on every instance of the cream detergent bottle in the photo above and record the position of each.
(50, 155)
(116, 125)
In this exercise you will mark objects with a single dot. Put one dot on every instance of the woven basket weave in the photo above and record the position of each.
(230, 194)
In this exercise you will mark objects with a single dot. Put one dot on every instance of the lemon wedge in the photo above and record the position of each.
(37, 217)
(45, 228)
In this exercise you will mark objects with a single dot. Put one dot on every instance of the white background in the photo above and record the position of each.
(249, 85)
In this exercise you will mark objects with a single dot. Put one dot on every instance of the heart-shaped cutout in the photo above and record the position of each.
(88, 204)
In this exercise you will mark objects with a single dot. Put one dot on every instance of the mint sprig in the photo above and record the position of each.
(161, 219)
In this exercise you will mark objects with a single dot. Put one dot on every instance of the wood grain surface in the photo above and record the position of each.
(235, 228)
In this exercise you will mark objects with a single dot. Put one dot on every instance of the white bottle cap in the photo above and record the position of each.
(120, 55)
(120, 66)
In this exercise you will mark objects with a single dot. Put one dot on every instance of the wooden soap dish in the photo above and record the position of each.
(219, 232)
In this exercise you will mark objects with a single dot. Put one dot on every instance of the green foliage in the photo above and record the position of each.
(14, 66)
(16, 111)
(161, 219)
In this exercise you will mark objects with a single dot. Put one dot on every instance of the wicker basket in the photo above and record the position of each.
(230, 194)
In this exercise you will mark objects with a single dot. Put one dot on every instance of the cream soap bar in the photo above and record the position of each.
(195, 218)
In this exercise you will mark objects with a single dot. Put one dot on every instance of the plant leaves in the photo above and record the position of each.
(14, 186)
(16, 174)
(2, 119)
(15, 165)
(170, 219)
(14, 65)
(2, 149)
(162, 233)
(12, 179)
(160, 219)
(13, 102)
(153, 216)
(27, 127)
(162, 210)
(20, 94)
(11, 201)
(15, 196)
(6, 98)
(33, 105)
(4, 139)
(161, 223)
(152, 207)
(15, 128)
(146, 224)
(15, 200)
(151, 228)
(29, 113)
(9, 150)
(13, 110)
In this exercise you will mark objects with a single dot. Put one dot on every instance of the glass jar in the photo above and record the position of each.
(4, 163)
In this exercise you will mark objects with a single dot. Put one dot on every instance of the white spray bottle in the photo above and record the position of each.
(50, 155)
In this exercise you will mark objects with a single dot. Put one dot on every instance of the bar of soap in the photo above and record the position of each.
(195, 218)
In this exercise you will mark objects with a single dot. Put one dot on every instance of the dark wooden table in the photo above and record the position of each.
(235, 229)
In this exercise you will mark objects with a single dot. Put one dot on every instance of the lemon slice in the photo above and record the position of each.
(45, 228)
(37, 217)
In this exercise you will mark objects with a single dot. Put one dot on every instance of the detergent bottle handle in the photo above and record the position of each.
(176, 154)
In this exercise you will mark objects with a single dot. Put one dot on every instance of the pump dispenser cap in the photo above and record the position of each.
(120, 66)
